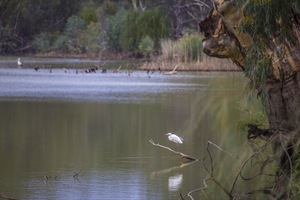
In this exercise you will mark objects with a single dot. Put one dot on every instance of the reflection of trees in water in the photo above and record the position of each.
(213, 110)
(213, 114)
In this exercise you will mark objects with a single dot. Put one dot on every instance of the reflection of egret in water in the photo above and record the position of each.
(175, 182)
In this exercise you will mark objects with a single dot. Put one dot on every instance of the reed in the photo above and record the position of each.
(186, 53)
(205, 64)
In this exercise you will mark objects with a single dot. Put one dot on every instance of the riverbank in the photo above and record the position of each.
(205, 64)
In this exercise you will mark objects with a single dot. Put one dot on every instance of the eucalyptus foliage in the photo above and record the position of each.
(265, 20)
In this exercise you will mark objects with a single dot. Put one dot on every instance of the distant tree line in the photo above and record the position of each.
(133, 27)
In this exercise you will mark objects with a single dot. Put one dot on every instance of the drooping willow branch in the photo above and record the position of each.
(182, 155)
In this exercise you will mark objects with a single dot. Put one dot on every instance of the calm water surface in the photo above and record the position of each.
(98, 126)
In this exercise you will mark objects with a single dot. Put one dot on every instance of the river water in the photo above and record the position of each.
(66, 134)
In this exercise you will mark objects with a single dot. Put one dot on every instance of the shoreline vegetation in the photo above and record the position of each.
(184, 54)
(205, 64)
(153, 37)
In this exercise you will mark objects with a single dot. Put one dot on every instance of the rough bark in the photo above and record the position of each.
(224, 39)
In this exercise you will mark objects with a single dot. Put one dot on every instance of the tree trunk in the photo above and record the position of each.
(224, 39)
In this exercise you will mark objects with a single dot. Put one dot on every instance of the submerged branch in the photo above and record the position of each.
(168, 170)
(173, 151)
(2, 196)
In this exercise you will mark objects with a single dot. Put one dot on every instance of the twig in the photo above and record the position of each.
(219, 148)
(76, 175)
(211, 173)
(173, 151)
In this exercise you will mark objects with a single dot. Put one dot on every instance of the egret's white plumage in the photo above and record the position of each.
(174, 138)
(19, 62)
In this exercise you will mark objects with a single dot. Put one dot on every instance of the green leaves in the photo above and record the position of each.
(258, 67)
(266, 18)
(146, 46)
(128, 29)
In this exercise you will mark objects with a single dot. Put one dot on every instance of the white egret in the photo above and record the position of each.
(174, 138)
(20, 64)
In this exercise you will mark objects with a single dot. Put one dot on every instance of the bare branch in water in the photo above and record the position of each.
(182, 155)
(76, 175)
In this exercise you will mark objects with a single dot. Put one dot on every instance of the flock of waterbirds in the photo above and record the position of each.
(95, 68)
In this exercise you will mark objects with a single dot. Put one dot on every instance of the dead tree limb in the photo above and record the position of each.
(182, 155)
(173, 71)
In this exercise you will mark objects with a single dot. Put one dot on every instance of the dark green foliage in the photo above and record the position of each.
(115, 28)
(43, 25)
(146, 46)
(257, 66)
(74, 25)
(264, 21)
(258, 69)
(88, 13)
(42, 42)
(130, 35)
(81, 38)
(23, 20)
(268, 18)
(67, 41)
(138, 24)
(128, 28)
(109, 8)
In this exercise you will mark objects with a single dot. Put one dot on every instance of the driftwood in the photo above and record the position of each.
(173, 71)
(182, 155)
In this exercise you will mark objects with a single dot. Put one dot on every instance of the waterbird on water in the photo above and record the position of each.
(174, 138)
(20, 64)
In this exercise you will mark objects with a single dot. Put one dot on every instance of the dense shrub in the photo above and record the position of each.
(93, 39)
(67, 41)
(115, 26)
(146, 46)
(88, 13)
(127, 29)
(42, 42)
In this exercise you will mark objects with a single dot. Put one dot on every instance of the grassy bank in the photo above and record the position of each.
(184, 54)
(205, 64)
(187, 54)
